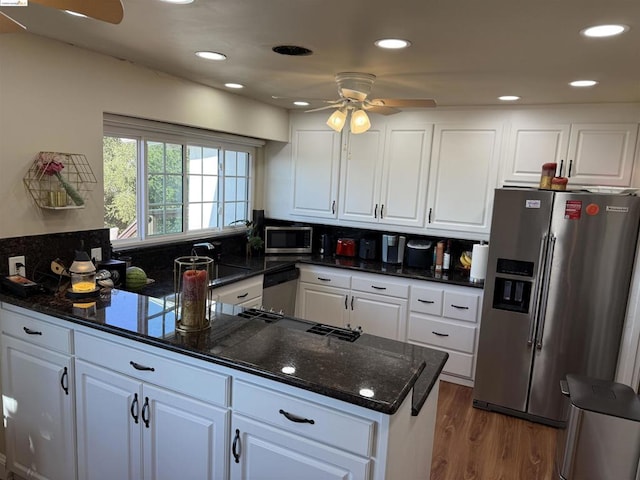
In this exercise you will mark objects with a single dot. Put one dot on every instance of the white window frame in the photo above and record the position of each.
(148, 130)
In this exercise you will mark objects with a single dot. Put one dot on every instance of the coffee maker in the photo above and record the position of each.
(393, 248)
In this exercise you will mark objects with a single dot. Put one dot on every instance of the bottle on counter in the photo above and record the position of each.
(439, 257)
(446, 257)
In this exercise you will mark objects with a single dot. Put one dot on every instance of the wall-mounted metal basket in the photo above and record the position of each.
(60, 181)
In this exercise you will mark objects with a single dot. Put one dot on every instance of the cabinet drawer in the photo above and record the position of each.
(441, 334)
(325, 277)
(378, 284)
(458, 364)
(346, 432)
(426, 300)
(240, 292)
(37, 332)
(460, 306)
(172, 374)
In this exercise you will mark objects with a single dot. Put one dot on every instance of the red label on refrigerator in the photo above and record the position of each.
(573, 209)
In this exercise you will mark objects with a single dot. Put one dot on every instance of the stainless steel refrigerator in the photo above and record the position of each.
(555, 296)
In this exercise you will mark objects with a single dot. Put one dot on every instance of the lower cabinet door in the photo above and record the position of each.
(261, 452)
(183, 437)
(379, 315)
(323, 304)
(37, 391)
(109, 407)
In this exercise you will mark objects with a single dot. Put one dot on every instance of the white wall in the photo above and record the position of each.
(52, 97)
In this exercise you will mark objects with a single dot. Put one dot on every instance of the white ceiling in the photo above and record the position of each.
(464, 52)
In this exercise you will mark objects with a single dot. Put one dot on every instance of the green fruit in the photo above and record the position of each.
(135, 279)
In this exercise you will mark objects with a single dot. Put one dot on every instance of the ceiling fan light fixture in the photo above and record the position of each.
(360, 122)
(392, 43)
(337, 120)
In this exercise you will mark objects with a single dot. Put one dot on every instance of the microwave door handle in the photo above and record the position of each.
(536, 303)
(545, 291)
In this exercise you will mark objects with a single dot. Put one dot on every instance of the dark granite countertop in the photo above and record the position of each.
(324, 365)
(163, 278)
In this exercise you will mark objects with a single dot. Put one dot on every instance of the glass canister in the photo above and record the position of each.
(191, 277)
(559, 183)
(547, 174)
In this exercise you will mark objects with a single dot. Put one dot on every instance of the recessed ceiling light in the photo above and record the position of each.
(75, 14)
(604, 30)
(301, 104)
(392, 43)
(233, 85)
(509, 98)
(292, 50)
(583, 83)
(211, 55)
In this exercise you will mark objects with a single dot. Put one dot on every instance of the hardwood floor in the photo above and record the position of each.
(472, 444)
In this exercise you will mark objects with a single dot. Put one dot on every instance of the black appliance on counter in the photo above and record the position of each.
(326, 244)
(393, 248)
(367, 249)
(419, 254)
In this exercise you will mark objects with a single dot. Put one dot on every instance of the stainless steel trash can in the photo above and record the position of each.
(601, 439)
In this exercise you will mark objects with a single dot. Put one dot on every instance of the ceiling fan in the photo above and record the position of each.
(354, 89)
(106, 10)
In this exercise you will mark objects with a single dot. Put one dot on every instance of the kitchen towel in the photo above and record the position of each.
(479, 258)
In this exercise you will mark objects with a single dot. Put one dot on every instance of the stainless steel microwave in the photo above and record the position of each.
(287, 239)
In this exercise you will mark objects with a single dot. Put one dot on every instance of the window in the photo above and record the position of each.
(179, 181)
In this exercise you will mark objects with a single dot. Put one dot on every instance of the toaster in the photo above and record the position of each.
(346, 247)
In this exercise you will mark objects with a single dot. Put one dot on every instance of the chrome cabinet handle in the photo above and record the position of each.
(534, 320)
(140, 367)
(294, 418)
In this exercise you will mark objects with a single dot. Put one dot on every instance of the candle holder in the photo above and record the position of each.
(191, 277)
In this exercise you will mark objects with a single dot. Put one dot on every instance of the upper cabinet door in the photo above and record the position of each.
(530, 146)
(361, 171)
(405, 178)
(463, 177)
(601, 154)
(316, 162)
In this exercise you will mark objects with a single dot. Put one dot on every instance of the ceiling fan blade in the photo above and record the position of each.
(381, 109)
(9, 25)
(404, 103)
(326, 107)
(106, 10)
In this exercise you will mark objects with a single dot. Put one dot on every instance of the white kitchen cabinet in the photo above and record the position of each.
(315, 167)
(384, 174)
(463, 176)
(374, 302)
(131, 428)
(246, 293)
(447, 317)
(38, 398)
(291, 438)
(591, 153)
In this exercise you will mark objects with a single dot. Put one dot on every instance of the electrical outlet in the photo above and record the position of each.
(13, 266)
(96, 254)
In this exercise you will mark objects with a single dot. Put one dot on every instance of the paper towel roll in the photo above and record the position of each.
(479, 258)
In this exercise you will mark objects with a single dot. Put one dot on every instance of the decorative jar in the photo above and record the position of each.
(192, 294)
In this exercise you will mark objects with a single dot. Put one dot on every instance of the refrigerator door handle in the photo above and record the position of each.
(532, 324)
(545, 290)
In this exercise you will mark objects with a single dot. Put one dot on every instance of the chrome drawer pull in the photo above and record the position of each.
(440, 334)
(295, 418)
(426, 301)
(137, 366)
(460, 307)
(28, 331)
